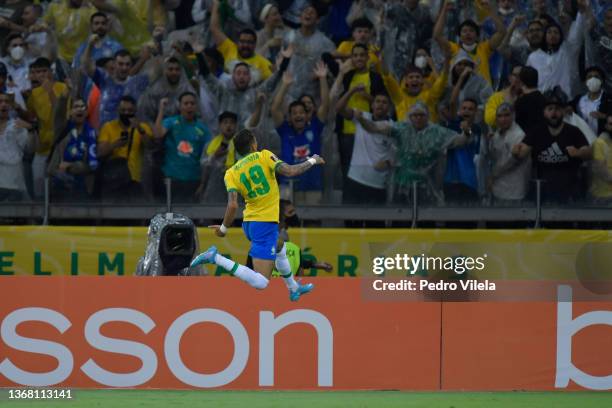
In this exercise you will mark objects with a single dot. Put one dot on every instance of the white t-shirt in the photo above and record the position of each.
(369, 149)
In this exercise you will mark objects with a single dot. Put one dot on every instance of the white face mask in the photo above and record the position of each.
(420, 62)
(17, 53)
(594, 84)
(469, 48)
(505, 12)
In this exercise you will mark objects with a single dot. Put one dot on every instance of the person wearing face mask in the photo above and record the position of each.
(595, 105)
(121, 144)
(424, 62)
(17, 62)
(469, 34)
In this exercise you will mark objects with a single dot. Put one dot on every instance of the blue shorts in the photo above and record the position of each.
(263, 236)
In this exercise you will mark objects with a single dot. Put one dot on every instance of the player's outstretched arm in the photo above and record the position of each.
(293, 170)
(230, 214)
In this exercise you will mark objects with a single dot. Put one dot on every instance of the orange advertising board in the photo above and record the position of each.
(329, 339)
(219, 333)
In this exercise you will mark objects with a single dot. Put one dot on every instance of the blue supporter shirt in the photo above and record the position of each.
(460, 167)
(297, 147)
(184, 144)
(111, 92)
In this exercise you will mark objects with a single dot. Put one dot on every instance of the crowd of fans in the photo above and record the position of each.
(472, 100)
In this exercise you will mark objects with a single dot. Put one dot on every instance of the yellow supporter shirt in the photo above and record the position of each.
(39, 103)
(602, 147)
(403, 101)
(358, 101)
(111, 132)
(229, 50)
(346, 48)
(481, 57)
(254, 178)
(231, 151)
(71, 26)
(131, 27)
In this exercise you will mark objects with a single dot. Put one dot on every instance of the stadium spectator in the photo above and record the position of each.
(270, 37)
(407, 26)
(362, 31)
(220, 155)
(557, 149)
(529, 107)
(10, 11)
(73, 158)
(68, 21)
(301, 138)
(118, 83)
(121, 143)
(170, 85)
(460, 179)
(507, 95)
(371, 84)
(17, 62)
(184, 137)
(243, 52)
(41, 105)
(467, 81)
(308, 44)
(469, 33)
(517, 54)
(136, 20)
(601, 38)
(596, 104)
(421, 146)
(412, 89)
(104, 46)
(601, 180)
(373, 154)
(7, 88)
(508, 180)
(17, 137)
(39, 43)
(557, 60)
(240, 96)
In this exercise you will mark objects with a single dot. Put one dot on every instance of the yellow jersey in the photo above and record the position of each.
(254, 178)
(261, 66)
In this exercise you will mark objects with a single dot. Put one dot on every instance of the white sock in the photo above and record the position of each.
(284, 267)
(255, 279)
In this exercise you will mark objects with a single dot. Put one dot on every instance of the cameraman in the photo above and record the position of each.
(121, 143)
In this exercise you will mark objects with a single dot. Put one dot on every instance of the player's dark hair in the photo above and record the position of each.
(529, 77)
(173, 60)
(243, 141)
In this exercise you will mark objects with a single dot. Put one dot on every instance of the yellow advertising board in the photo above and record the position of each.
(506, 254)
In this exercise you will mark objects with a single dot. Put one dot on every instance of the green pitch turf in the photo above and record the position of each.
(318, 399)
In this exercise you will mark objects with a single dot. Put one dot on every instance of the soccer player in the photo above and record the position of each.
(254, 178)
